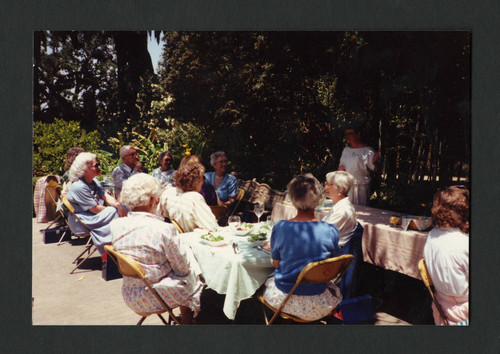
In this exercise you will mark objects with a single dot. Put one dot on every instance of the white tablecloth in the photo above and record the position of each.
(385, 246)
(237, 276)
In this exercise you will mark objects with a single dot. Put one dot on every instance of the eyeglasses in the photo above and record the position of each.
(133, 154)
(222, 161)
(167, 160)
(96, 165)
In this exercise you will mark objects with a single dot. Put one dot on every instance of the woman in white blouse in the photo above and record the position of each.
(446, 254)
(343, 215)
(184, 203)
(358, 159)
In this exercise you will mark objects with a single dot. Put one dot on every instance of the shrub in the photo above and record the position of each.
(51, 141)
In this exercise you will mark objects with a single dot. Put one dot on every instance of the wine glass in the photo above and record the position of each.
(258, 209)
(234, 221)
(269, 221)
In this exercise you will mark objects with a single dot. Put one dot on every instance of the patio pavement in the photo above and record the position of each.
(85, 298)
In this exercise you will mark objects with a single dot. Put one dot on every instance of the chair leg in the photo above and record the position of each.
(163, 320)
(141, 320)
(80, 263)
(87, 249)
(264, 312)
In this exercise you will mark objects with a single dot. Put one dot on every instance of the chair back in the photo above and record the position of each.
(71, 210)
(319, 272)
(426, 278)
(350, 282)
(218, 210)
(238, 199)
(128, 267)
(177, 226)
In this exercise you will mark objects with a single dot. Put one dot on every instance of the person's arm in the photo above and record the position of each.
(110, 200)
(276, 263)
(376, 165)
(233, 190)
(203, 215)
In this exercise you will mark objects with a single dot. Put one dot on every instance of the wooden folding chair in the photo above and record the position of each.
(89, 245)
(318, 272)
(130, 268)
(239, 197)
(219, 211)
(426, 278)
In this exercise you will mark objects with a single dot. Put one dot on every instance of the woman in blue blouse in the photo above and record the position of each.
(88, 197)
(226, 185)
(294, 244)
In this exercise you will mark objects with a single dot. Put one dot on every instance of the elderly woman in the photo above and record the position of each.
(343, 215)
(207, 190)
(226, 185)
(154, 244)
(88, 197)
(446, 253)
(165, 173)
(294, 244)
(358, 159)
(184, 203)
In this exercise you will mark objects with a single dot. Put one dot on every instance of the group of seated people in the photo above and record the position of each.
(135, 225)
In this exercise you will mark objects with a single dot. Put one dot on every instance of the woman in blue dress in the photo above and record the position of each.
(226, 185)
(294, 244)
(88, 197)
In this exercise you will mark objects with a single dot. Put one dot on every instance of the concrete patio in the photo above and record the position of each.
(85, 298)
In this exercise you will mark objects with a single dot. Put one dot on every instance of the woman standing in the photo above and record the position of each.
(154, 244)
(226, 185)
(88, 197)
(358, 159)
(446, 253)
(294, 244)
(343, 215)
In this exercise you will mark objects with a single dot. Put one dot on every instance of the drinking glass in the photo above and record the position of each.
(234, 221)
(269, 221)
(258, 209)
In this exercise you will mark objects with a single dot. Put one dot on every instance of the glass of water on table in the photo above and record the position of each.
(258, 209)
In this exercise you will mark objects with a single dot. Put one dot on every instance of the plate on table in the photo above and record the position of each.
(243, 229)
(214, 240)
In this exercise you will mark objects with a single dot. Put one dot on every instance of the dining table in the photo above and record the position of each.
(384, 245)
(234, 266)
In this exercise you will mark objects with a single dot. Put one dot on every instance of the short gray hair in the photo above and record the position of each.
(80, 165)
(305, 191)
(215, 156)
(342, 179)
(138, 189)
(125, 149)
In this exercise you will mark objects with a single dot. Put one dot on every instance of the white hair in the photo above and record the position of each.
(215, 156)
(342, 179)
(80, 165)
(305, 191)
(139, 189)
(125, 149)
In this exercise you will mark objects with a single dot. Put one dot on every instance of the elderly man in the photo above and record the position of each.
(130, 159)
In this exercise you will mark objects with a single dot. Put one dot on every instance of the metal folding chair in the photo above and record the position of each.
(318, 272)
(89, 246)
(426, 278)
(130, 268)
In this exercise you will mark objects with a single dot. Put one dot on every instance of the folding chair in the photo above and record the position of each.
(89, 245)
(52, 196)
(318, 272)
(130, 268)
(426, 278)
(219, 211)
(177, 226)
(239, 197)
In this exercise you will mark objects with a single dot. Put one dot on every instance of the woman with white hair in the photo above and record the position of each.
(226, 185)
(88, 197)
(154, 244)
(343, 215)
(294, 244)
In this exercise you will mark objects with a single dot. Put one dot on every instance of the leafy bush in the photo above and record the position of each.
(51, 141)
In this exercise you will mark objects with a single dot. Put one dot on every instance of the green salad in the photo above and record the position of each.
(261, 236)
(212, 238)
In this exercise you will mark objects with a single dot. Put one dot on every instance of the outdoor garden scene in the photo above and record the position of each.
(238, 160)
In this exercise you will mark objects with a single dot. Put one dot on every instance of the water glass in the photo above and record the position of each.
(234, 221)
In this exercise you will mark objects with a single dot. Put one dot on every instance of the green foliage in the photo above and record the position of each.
(51, 141)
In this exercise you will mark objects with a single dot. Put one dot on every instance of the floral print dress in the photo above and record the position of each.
(168, 265)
